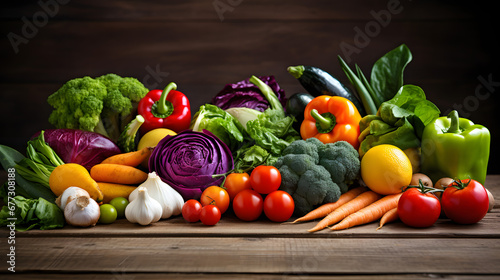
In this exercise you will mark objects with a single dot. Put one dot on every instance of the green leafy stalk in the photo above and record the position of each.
(268, 93)
(35, 172)
(364, 94)
(368, 86)
(126, 140)
(40, 161)
(24, 187)
(44, 151)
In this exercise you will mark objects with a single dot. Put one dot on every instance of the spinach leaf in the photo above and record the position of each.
(31, 213)
(387, 73)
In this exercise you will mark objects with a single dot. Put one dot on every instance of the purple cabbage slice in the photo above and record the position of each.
(188, 160)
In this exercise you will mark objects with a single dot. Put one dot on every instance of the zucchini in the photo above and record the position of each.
(319, 82)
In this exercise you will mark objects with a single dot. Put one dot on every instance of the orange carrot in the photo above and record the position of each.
(359, 202)
(370, 213)
(325, 209)
(116, 173)
(131, 158)
(389, 216)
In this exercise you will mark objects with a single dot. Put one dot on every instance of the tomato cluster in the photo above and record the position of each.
(462, 201)
(250, 195)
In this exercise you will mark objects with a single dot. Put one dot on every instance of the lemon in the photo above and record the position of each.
(385, 169)
(153, 137)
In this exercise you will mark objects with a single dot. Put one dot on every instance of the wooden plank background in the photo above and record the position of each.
(202, 48)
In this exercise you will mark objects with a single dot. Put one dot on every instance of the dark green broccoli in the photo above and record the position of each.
(104, 105)
(342, 161)
(314, 173)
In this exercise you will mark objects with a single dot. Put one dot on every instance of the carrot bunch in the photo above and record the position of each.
(119, 175)
(356, 207)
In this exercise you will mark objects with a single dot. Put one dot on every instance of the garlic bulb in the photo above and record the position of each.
(143, 209)
(170, 200)
(82, 211)
(70, 194)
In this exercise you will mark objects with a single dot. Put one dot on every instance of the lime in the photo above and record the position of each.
(120, 203)
(108, 214)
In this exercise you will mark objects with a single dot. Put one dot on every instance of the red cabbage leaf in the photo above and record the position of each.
(246, 94)
(79, 146)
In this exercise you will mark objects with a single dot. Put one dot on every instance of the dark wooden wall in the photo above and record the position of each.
(201, 49)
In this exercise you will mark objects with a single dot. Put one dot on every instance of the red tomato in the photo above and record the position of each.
(265, 179)
(279, 206)
(210, 215)
(236, 182)
(465, 201)
(248, 205)
(417, 209)
(191, 210)
(217, 196)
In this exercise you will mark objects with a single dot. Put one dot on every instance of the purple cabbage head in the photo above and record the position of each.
(188, 160)
(78, 146)
(246, 94)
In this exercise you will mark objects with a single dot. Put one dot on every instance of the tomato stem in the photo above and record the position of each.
(423, 188)
(460, 184)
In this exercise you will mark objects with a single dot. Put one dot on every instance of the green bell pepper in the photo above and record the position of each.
(455, 147)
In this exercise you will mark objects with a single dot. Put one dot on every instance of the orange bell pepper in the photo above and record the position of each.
(331, 119)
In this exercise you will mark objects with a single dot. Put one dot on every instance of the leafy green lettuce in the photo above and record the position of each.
(221, 124)
(253, 137)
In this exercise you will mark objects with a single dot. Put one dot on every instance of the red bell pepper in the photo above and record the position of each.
(166, 108)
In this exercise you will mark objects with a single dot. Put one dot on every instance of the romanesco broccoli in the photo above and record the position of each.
(314, 173)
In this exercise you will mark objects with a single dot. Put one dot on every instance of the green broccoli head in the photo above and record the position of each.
(316, 186)
(104, 105)
(307, 147)
(77, 104)
(314, 173)
(342, 161)
(129, 87)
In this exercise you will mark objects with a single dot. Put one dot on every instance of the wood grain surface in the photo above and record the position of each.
(262, 249)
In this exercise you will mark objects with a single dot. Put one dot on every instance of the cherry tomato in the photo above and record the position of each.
(236, 182)
(418, 209)
(248, 205)
(279, 206)
(191, 210)
(217, 196)
(210, 215)
(265, 179)
(465, 201)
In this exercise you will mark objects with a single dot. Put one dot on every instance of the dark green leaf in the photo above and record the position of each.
(387, 72)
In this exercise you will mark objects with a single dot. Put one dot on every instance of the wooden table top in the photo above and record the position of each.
(262, 249)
